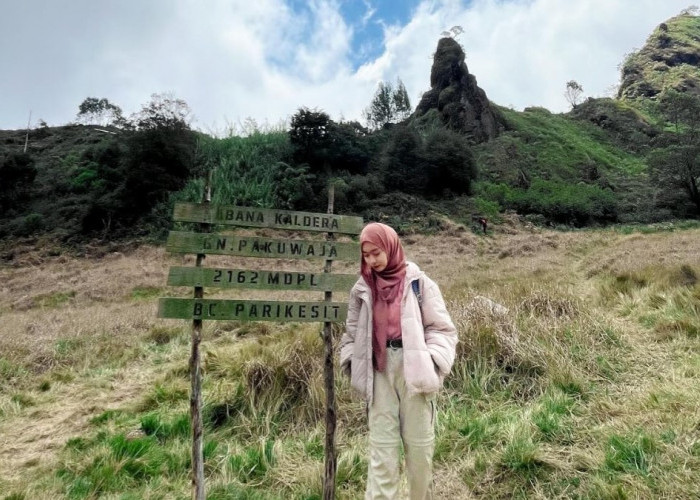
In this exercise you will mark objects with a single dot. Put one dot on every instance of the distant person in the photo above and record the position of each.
(484, 223)
(398, 347)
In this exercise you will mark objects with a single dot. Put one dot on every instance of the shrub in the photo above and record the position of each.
(358, 192)
(28, 225)
(125, 180)
(401, 162)
(449, 162)
(17, 172)
(559, 202)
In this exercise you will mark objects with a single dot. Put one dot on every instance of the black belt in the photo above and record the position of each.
(394, 343)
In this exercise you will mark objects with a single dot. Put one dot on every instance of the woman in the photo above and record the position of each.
(398, 346)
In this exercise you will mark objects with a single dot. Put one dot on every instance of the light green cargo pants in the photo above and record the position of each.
(395, 417)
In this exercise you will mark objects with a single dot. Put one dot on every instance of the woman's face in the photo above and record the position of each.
(374, 256)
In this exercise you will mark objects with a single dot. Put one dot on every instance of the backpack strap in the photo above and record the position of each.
(415, 284)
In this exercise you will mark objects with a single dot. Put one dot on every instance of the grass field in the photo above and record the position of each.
(586, 388)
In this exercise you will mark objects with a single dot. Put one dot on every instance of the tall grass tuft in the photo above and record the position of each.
(120, 464)
(243, 169)
(630, 453)
(179, 427)
(665, 299)
(552, 416)
(253, 464)
(522, 456)
(164, 393)
(272, 376)
(351, 470)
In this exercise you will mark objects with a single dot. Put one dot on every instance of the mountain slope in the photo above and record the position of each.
(670, 58)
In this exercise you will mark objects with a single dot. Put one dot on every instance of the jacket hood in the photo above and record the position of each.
(413, 272)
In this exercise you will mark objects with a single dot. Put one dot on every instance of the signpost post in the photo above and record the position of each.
(199, 309)
(196, 382)
(329, 476)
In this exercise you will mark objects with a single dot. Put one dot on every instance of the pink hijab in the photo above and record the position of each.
(387, 288)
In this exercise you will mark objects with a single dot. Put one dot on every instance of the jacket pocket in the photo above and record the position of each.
(419, 371)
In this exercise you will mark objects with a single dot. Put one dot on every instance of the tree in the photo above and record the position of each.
(153, 157)
(94, 111)
(379, 111)
(573, 92)
(309, 134)
(401, 162)
(389, 105)
(674, 166)
(323, 148)
(350, 149)
(681, 110)
(163, 111)
(402, 104)
(675, 171)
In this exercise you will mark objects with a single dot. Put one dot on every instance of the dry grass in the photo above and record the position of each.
(585, 386)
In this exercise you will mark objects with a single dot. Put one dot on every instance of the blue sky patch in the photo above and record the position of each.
(368, 19)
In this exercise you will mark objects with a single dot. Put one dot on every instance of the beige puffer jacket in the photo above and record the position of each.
(428, 346)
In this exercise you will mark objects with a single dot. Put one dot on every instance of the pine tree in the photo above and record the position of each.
(389, 105)
(402, 104)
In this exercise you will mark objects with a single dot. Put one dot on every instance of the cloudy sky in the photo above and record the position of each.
(231, 60)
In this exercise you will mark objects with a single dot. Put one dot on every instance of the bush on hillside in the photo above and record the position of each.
(624, 124)
(327, 146)
(127, 179)
(351, 148)
(293, 186)
(427, 163)
(559, 202)
(17, 173)
(449, 163)
(401, 162)
(400, 210)
(358, 193)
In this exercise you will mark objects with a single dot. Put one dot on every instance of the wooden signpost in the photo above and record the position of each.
(198, 309)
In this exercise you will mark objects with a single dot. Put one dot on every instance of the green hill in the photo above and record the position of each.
(669, 60)
(631, 159)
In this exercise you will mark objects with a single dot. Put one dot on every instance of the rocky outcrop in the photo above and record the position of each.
(461, 104)
(670, 59)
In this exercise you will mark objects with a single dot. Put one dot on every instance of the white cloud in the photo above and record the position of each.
(524, 52)
(232, 59)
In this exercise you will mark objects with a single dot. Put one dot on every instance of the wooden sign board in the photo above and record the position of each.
(270, 218)
(207, 243)
(260, 280)
(198, 308)
(251, 310)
